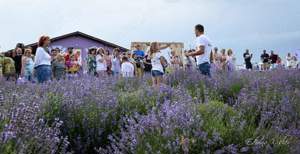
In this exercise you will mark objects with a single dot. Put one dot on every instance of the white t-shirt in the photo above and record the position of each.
(293, 63)
(42, 57)
(288, 60)
(155, 62)
(116, 64)
(203, 40)
(127, 69)
(79, 61)
(166, 53)
(101, 66)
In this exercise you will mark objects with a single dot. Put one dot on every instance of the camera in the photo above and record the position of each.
(139, 61)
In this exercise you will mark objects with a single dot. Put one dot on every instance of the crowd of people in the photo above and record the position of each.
(53, 64)
(271, 61)
(225, 60)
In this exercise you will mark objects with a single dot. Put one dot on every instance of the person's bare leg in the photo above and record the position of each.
(159, 79)
(153, 81)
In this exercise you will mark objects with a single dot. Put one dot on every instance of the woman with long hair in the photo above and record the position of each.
(91, 61)
(42, 63)
(59, 67)
(27, 64)
(108, 62)
(176, 62)
(216, 58)
(230, 60)
(223, 59)
(17, 57)
(73, 66)
(116, 62)
(157, 62)
(101, 63)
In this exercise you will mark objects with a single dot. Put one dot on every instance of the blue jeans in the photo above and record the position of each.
(28, 77)
(116, 73)
(204, 68)
(43, 73)
(28, 74)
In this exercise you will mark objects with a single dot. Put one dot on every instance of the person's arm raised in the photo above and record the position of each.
(164, 46)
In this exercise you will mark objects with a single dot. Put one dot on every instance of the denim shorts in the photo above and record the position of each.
(204, 68)
(43, 73)
(156, 73)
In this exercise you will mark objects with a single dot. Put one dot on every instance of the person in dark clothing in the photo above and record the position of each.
(265, 58)
(273, 58)
(17, 57)
(147, 63)
(247, 58)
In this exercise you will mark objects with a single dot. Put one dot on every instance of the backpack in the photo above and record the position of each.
(8, 66)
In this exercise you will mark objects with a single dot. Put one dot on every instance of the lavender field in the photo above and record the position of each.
(242, 112)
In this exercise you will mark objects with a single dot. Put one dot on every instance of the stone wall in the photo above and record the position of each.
(178, 47)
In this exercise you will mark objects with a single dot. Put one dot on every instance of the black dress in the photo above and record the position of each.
(18, 64)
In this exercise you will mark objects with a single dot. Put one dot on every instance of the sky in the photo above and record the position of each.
(236, 24)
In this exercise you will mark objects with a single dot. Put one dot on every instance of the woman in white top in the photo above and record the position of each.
(127, 68)
(157, 62)
(230, 60)
(42, 63)
(289, 58)
(100, 65)
(293, 62)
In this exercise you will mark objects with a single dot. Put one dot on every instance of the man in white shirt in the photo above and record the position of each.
(127, 68)
(202, 51)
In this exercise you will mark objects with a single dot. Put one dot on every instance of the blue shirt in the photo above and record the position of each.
(139, 53)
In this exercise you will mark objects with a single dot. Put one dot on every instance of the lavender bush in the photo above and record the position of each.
(237, 112)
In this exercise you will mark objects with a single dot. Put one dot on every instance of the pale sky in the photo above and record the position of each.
(237, 24)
